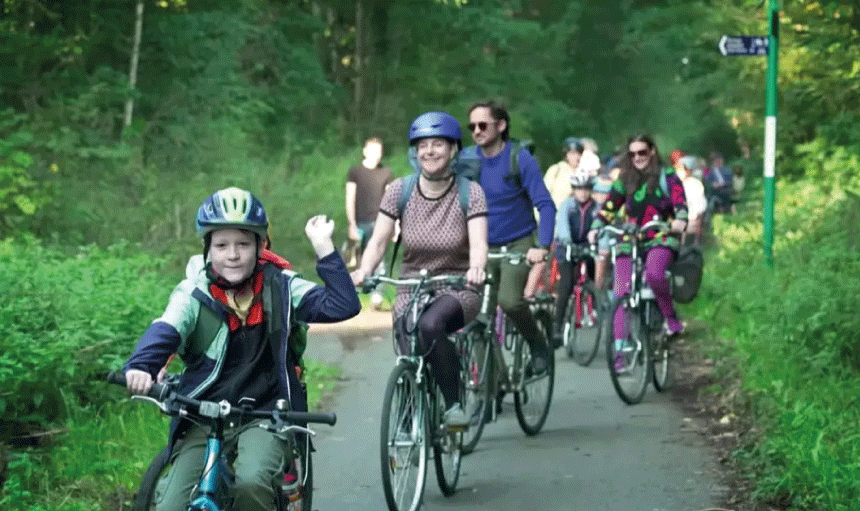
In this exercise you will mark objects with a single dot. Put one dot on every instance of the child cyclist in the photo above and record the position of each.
(572, 222)
(246, 354)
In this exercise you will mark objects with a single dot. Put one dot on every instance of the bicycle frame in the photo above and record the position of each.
(513, 377)
(574, 253)
(216, 470)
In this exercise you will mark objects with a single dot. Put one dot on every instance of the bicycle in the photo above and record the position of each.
(294, 492)
(492, 344)
(584, 321)
(646, 350)
(413, 409)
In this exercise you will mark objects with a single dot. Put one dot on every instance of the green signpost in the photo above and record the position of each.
(770, 130)
(760, 45)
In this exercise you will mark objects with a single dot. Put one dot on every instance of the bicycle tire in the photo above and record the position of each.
(403, 440)
(532, 402)
(447, 451)
(477, 367)
(144, 500)
(584, 339)
(661, 357)
(631, 382)
(302, 499)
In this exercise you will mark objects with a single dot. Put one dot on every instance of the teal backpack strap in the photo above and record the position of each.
(663, 185)
(208, 324)
(463, 186)
(514, 175)
(272, 307)
(409, 183)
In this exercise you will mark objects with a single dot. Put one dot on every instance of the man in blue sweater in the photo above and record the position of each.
(510, 203)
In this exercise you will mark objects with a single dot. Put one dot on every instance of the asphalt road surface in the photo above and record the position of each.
(594, 452)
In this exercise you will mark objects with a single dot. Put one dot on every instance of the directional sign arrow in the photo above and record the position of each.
(743, 45)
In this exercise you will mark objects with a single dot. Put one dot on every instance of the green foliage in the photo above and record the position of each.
(792, 336)
(67, 320)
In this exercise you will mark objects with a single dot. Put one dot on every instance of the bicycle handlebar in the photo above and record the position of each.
(631, 228)
(162, 393)
(574, 251)
(372, 281)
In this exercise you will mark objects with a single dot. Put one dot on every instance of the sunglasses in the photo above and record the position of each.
(641, 152)
(482, 125)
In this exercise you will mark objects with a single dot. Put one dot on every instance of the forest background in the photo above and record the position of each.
(102, 169)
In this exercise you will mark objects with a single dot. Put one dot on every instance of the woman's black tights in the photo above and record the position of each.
(443, 317)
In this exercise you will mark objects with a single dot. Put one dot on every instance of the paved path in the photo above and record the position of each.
(594, 453)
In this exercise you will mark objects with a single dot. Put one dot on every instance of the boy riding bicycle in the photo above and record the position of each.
(230, 320)
(572, 223)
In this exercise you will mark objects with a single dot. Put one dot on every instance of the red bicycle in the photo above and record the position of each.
(583, 324)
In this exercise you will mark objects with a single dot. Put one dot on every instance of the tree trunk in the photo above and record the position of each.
(358, 92)
(132, 73)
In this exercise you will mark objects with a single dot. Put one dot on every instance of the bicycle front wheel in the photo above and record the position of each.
(446, 447)
(477, 364)
(661, 357)
(145, 498)
(583, 326)
(403, 440)
(532, 400)
(629, 359)
(299, 497)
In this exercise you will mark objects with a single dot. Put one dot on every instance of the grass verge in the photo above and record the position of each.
(784, 344)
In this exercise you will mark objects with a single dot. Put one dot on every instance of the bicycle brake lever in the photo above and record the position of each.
(161, 406)
(292, 427)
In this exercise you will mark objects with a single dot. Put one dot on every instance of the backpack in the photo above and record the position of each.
(687, 274)
(469, 162)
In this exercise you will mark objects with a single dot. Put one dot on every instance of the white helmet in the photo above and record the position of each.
(581, 180)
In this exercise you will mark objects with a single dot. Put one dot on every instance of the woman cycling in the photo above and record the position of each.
(440, 237)
(646, 190)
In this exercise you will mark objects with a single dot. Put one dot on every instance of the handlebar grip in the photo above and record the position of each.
(367, 285)
(329, 418)
(158, 391)
(116, 378)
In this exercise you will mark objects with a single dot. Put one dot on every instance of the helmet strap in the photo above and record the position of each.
(448, 175)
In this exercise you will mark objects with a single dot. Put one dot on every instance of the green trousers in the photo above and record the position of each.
(261, 455)
(512, 281)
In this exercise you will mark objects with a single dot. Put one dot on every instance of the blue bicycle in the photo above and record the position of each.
(293, 492)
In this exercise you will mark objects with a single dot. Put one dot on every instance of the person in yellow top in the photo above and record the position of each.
(557, 177)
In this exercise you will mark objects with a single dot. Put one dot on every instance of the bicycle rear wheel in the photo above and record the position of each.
(446, 447)
(144, 500)
(629, 359)
(532, 401)
(476, 357)
(583, 326)
(403, 440)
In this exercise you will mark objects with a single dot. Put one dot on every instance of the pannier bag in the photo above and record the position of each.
(687, 274)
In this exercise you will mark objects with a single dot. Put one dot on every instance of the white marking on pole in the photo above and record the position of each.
(769, 145)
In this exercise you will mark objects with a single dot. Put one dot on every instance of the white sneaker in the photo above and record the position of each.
(455, 417)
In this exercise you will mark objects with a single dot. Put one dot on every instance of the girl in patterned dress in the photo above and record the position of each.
(439, 236)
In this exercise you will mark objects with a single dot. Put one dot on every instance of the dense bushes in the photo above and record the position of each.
(68, 319)
(790, 334)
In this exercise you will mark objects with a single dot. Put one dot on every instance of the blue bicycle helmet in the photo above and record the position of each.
(435, 124)
(232, 208)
